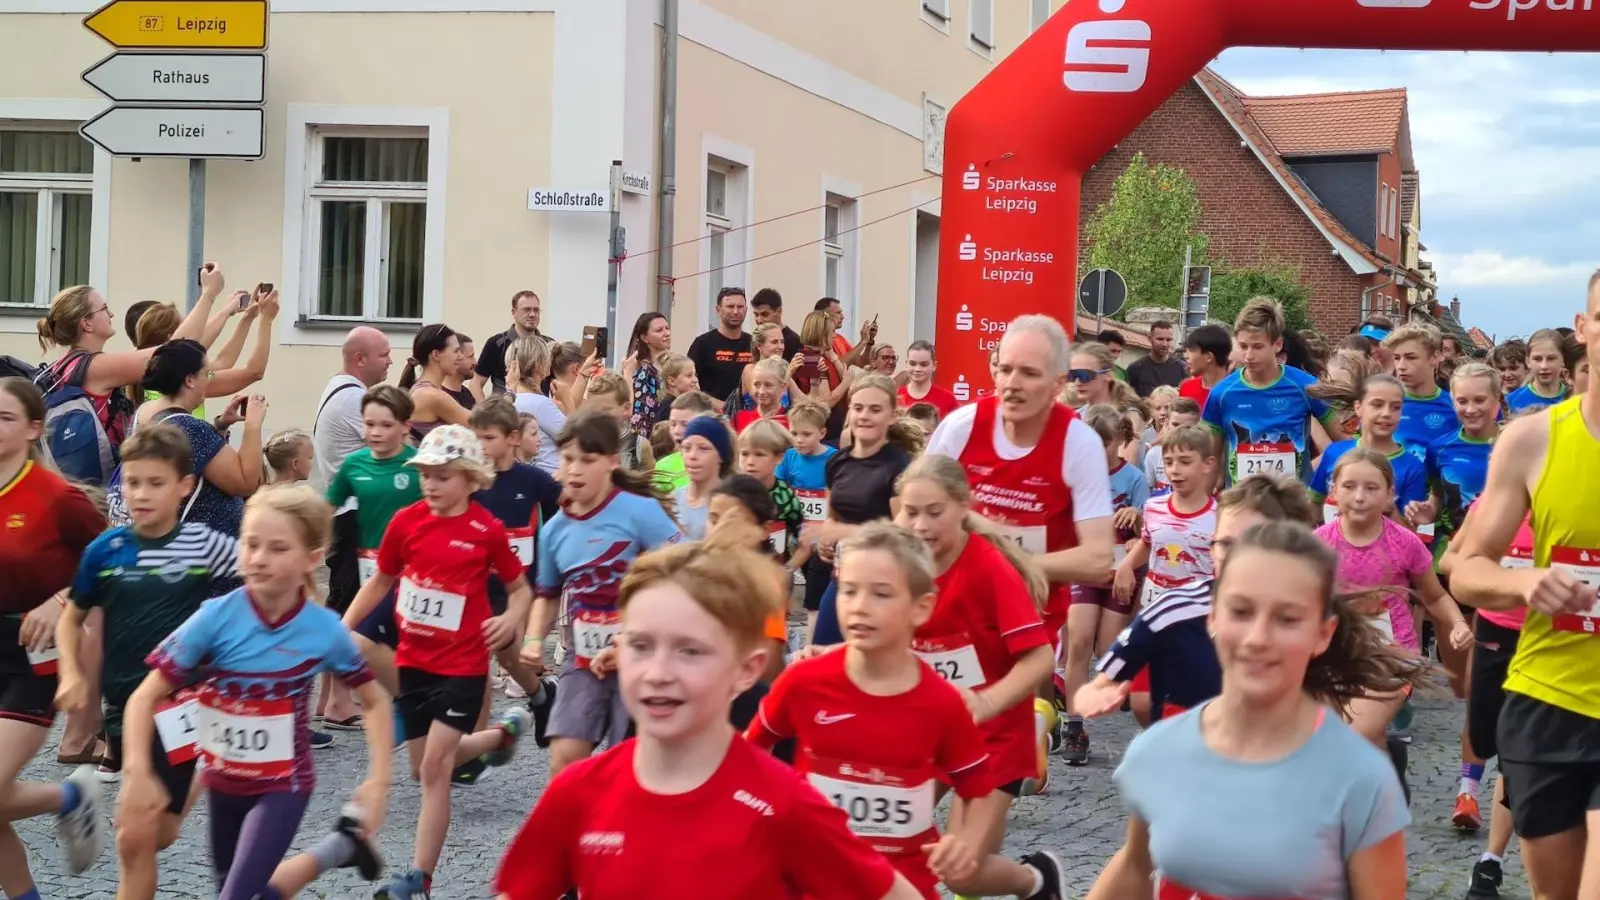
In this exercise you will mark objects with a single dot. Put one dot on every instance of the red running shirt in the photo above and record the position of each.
(983, 622)
(1025, 498)
(744, 418)
(442, 566)
(941, 399)
(1192, 388)
(877, 758)
(754, 831)
(45, 523)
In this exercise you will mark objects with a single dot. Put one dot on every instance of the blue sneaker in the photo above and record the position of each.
(410, 885)
(515, 723)
(321, 740)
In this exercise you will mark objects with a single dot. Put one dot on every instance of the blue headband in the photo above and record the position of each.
(712, 429)
(1373, 331)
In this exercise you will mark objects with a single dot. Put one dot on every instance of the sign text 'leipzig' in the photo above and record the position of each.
(179, 24)
(181, 77)
(192, 132)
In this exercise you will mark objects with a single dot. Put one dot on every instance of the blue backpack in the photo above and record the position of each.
(75, 436)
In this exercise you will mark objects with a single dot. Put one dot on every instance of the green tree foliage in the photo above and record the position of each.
(1143, 230)
(1232, 288)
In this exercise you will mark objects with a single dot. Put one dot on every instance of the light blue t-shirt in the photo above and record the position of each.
(692, 518)
(805, 473)
(1293, 823)
(582, 558)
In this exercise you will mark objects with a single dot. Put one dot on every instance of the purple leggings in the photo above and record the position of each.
(249, 837)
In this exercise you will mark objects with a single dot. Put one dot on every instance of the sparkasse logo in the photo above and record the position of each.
(1129, 50)
(970, 179)
(963, 319)
(968, 250)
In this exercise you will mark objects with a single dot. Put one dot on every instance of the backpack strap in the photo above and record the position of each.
(331, 394)
(68, 371)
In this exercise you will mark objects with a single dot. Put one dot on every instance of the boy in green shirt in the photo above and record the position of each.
(686, 408)
(381, 483)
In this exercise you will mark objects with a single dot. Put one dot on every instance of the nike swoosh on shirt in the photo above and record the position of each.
(451, 712)
(824, 719)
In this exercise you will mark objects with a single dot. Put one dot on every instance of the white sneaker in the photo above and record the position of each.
(514, 691)
(82, 831)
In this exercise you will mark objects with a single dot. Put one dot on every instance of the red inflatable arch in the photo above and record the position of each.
(1017, 145)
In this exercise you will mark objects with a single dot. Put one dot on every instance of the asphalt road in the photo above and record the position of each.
(1079, 817)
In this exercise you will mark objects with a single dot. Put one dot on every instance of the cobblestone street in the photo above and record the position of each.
(1079, 818)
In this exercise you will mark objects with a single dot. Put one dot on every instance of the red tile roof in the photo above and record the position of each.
(1331, 124)
(1235, 106)
(1481, 340)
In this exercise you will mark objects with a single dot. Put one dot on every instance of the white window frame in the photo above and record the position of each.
(1039, 13)
(845, 250)
(936, 13)
(1383, 210)
(1394, 214)
(53, 115)
(980, 27)
(306, 125)
(737, 165)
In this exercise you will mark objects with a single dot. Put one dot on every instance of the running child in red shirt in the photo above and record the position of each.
(687, 811)
(442, 552)
(880, 732)
(985, 637)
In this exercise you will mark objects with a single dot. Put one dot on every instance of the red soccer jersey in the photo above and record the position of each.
(877, 757)
(744, 418)
(44, 525)
(942, 400)
(1192, 388)
(983, 621)
(755, 829)
(1025, 498)
(443, 566)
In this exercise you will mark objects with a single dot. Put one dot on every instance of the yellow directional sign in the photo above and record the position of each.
(165, 24)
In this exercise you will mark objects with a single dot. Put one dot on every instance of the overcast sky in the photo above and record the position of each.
(1508, 146)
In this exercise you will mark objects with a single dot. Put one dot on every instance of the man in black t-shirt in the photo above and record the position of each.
(768, 307)
(491, 368)
(1160, 367)
(721, 354)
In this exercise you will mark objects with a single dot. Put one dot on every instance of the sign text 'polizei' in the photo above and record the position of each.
(193, 132)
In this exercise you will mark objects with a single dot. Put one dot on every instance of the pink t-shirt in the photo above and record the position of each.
(1391, 561)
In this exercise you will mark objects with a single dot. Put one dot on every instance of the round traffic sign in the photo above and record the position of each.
(1102, 292)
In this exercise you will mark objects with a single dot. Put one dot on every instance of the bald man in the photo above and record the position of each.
(336, 431)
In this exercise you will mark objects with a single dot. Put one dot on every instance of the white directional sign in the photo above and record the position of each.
(192, 132)
(181, 78)
(552, 199)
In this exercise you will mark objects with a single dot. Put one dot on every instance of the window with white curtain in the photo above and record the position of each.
(368, 215)
(717, 225)
(980, 24)
(839, 255)
(727, 206)
(46, 182)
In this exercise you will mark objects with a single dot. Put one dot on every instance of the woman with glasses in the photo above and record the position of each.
(82, 322)
(1093, 379)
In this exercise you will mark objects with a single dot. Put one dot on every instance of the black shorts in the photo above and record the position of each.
(818, 574)
(175, 777)
(1491, 659)
(1012, 788)
(344, 572)
(1549, 764)
(452, 700)
(380, 626)
(25, 696)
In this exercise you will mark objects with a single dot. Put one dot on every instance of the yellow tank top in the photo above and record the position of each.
(1558, 659)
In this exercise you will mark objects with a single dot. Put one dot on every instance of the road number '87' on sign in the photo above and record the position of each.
(1120, 43)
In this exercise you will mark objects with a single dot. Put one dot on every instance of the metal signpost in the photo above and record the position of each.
(202, 103)
(1102, 293)
(617, 240)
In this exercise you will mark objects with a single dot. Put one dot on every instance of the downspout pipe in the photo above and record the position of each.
(667, 155)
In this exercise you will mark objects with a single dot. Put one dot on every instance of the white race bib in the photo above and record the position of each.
(429, 607)
(813, 505)
(1266, 459)
(1583, 565)
(43, 662)
(592, 632)
(1330, 511)
(1031, 538)
(247, 738)
(1517, 558)
(954, 658)
(877, 809)
(521, 544)
(178, 727)
(778, 538)
(367, 564)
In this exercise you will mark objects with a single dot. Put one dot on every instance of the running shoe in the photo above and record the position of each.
(515, 723)
(1076, 748)
(366, 859)
(541, 712)
(1486, 878)
(406, 886)
(1055, 879)
(321, 740)
(468, 773)
(1467, 817)
(514, 691)
(109, 771)
(82, 830)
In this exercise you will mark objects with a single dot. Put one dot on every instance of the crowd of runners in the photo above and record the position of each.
(765, 604)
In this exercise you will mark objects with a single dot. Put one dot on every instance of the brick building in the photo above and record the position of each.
(1314, 181)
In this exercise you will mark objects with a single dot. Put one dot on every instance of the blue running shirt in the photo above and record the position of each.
(1525, 400)
(1410, 478)
(1264, 427)
(1458, 467)
(1425, 421)
(252, 706)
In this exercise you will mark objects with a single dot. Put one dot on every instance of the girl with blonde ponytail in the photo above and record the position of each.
(987, 639)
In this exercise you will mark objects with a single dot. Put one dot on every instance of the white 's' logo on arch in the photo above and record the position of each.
(961, 389)
(963, 319)
(968, 251)
(1394, 4)
(970, 179)
(1129, 51)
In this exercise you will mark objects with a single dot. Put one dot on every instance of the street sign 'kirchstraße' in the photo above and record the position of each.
(191, 132)
(181, 78)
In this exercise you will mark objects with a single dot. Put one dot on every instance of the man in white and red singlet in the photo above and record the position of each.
(1039, 473)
